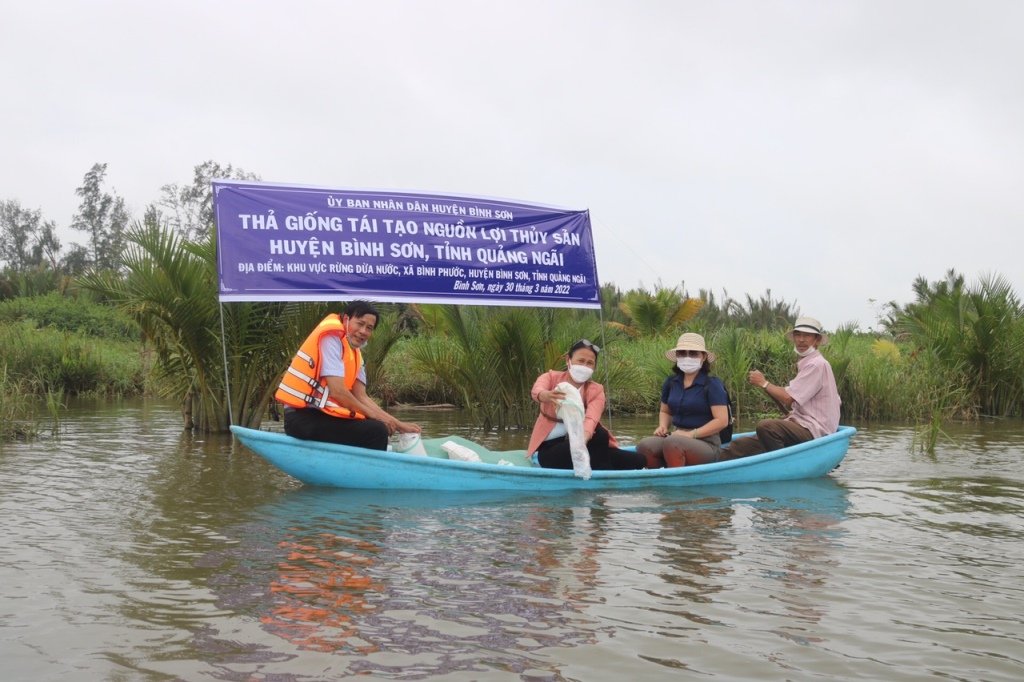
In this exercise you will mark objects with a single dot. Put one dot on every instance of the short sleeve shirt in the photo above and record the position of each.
(691, 407)
(332, 364)
(816, 402)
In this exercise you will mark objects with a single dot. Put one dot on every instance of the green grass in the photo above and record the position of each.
(40, 366)
(41, 361)
(67, 314)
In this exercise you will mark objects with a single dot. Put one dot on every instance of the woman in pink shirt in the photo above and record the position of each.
(550, 440)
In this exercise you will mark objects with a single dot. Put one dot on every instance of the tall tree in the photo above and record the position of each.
(76, 260)
(26, 240)
(190, 207)
(104, 217)
(46, 246)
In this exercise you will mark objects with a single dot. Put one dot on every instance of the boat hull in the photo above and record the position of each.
(327, 464)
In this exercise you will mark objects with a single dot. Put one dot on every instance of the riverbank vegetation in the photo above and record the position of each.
(955, 352)
(56, 346)
(135, 311)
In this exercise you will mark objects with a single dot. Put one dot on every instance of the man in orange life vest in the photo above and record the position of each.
(324, 388)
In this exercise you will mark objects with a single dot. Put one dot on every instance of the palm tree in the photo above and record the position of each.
(169, 288)
(764, 312)
(654, 314)
(976, 331)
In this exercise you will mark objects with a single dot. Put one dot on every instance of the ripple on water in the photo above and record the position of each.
(134, 550)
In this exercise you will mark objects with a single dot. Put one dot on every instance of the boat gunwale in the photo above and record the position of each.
(430, 462)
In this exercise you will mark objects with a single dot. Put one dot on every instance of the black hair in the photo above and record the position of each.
(361, 308)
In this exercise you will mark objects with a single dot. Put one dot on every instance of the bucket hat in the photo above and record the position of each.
(689, 341)
(808, 325)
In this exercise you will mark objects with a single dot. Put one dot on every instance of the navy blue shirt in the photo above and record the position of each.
(690, 407)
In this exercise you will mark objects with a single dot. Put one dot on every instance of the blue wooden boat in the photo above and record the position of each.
(340, 466)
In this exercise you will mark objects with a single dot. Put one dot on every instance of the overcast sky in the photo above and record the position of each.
(828, 151)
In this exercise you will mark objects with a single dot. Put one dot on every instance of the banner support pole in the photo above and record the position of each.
(224, 352)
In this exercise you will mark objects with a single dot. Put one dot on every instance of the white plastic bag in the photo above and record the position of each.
(410, 444)
(571, 412)
(459, 452)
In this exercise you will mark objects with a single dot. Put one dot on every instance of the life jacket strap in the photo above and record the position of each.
(317, 402)
(305, 378)
(305, 356)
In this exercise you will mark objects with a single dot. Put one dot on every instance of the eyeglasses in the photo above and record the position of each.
(689, 353)
(586, 343)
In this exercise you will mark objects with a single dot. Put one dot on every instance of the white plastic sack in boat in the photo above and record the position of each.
(571, 412)
(410, 444)
(459, 452)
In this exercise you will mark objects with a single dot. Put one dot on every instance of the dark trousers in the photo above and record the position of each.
(554, 454)
(772, 434)
(312, 424)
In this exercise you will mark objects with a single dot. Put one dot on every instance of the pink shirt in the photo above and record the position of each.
(815, 396)
(593, 400)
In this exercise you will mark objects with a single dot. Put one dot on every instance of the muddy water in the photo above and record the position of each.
(131, 551)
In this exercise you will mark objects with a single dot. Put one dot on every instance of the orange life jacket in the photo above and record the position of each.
(302, 386)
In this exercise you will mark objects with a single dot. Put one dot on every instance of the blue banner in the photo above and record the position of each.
(288, 243)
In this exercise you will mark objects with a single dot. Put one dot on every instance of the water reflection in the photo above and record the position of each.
(976, 496)
(433, 576)
(561, 546)
(693, 546)
(735, 559)
(321, 590)
(428, 576)
(809, 538)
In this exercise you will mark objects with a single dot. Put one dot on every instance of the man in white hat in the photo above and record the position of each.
(811, 398)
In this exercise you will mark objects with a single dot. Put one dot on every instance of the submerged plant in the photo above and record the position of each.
(17, 409)
(54, 405)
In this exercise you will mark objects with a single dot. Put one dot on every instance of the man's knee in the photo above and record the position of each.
(743, 447)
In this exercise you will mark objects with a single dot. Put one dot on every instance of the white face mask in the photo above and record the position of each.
(689, 365)
(805, 353)
(580, 373)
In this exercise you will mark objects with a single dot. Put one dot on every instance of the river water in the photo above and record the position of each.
(132, 551)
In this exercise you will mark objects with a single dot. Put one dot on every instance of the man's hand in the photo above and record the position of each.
(408, 427)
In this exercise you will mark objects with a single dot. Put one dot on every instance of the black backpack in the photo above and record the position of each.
(725, 434)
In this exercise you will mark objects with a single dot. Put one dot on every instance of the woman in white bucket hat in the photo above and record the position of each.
(694, 409)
